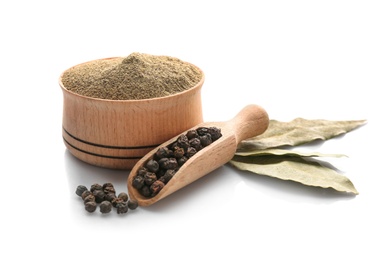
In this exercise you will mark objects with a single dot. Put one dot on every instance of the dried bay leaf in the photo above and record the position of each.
(296, 169)
(278, 152)
(298, 131)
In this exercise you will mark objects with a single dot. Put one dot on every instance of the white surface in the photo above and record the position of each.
(311, 59)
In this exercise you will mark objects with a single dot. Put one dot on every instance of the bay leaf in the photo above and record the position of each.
(296, 169)
(298, 131)
(286, 152)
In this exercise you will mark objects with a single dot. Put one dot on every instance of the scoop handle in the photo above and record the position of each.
(251, 121)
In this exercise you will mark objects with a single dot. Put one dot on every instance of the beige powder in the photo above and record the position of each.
(138, 76)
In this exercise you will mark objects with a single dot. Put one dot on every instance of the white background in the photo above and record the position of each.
(310, 59)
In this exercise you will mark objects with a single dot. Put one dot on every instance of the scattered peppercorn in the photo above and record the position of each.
(109, 197)
(85, 194)
(132, 204)
(90, 206)
(107, 184)
(105, 207)
(96, 186)
(109, 189)
(99, 195)
(160, 169)
(80, 189)
(122, 207)
(116, 201)
(123, 196)
(89, 198)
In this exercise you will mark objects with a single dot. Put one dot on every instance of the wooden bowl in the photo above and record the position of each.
(118, 133)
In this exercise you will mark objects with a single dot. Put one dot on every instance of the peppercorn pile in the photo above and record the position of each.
(159, 170)
(105, 196)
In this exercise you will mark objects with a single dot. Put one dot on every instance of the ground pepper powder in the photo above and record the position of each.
(137, 76)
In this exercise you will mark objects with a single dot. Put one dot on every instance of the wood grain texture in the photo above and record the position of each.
(250, 121)
(117, 133)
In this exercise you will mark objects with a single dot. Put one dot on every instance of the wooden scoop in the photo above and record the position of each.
(249, 122)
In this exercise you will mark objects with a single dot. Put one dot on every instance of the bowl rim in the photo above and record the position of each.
(191, 89)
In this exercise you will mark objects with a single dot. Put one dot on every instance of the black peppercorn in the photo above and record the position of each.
(145, 191)
(138, 182)
(122, 207)
(173, 146)
(89, 198)
(162, 152)
(109, 197)
(105, 207)
(156, 187)
(132, 204)
(202, 131)
(195, 142)
(162, 162)
(178, 152)
(116, 201)
(205, 140)
(96, 186)
(90, 206)
(182, 160)
(99, 195)
(160, 173)
(162, 179)
(191, 151)
(80, 189)
(192, 134)
(142, 171)
(168, 175)
(108, 184)
(123, 196)
(150, 177)
(215, 133)
(85, 194)
(182, 141)
(109, 189)
(168, 163)
(172, 164)
(152, 166)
